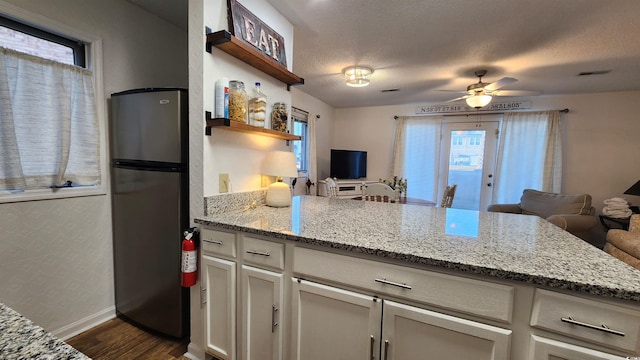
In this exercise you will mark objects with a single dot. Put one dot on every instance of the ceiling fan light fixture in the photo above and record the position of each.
(357, 76)
(479, 100)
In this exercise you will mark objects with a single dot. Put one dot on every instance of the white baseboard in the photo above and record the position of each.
(84, 324)
(194, 352)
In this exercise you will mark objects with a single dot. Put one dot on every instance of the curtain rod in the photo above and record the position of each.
(565, 110)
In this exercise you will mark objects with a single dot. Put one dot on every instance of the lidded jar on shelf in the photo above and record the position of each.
(257, 107)
(279, 117)
(237, 101)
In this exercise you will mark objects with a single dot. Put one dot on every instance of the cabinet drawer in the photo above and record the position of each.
(545, 349)
(481, 298)
(218, 242)
(262, 252)
(596, 322)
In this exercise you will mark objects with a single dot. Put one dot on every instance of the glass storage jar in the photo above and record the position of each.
(237, 101)
(279, 117)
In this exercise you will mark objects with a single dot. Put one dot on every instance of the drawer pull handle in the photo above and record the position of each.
(217, 242)
(387, 282)
(602, 327)
(261, 253)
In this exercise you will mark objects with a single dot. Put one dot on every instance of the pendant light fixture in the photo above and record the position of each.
(478, 100)
(357, 76)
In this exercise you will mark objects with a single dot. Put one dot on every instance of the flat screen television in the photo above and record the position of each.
(348, 164)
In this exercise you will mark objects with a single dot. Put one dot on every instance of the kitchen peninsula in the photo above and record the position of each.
(20, 338)
(516, 286)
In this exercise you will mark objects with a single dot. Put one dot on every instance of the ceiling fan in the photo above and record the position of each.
(480, 94)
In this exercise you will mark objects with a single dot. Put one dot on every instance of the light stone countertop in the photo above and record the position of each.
(504, 246)
(21, 339)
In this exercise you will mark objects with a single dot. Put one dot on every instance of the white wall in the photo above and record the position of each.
(601, 141)
(56, 263)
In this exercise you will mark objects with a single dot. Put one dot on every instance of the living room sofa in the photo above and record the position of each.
(625, 245)
(572, 213)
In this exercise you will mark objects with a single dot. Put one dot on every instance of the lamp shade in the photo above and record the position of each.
(634, 189)
(478, 101)
(280, 163)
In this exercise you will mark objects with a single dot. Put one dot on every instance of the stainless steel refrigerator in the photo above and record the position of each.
(149, 179)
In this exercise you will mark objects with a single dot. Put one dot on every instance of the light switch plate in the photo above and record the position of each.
(223, 180)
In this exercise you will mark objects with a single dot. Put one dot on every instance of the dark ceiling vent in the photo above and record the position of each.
(389, 90)
(597, 72)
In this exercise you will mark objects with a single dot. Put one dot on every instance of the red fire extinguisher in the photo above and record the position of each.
(189, 258)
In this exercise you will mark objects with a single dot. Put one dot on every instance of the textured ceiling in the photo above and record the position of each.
(422, 47)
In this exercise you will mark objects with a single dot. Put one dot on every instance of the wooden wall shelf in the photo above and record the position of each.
(227, 124)
(239, 49)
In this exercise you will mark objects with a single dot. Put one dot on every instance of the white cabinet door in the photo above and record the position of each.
(411, 333)
(262, 298)
(547, 349)
(220, 310)
(331, 323)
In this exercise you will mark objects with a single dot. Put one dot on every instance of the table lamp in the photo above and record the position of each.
(634, 189)
(279, 164)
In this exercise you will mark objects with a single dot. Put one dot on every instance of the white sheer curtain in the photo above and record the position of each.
(416, 155)
(529, 155)
(312, 168)
(48, 123)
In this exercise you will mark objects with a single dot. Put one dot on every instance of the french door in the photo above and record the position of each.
(468, 158)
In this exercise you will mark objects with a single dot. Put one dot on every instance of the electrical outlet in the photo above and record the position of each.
(223, 179)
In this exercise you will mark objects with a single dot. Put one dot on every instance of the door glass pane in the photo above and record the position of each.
(466, 159)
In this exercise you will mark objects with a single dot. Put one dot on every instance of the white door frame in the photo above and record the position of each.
(489, 123)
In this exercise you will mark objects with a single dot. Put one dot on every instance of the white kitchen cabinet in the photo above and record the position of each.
(333, 323)
(548, 349)
(263, 295)
(412, 333)
(220, 308)
(340, 306)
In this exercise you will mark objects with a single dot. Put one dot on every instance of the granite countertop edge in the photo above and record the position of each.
(20, 338)
(554, 283)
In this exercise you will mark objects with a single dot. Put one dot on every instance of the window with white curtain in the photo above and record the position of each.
(417, 154)
(49, 128)
(529, 155)
(300, 128)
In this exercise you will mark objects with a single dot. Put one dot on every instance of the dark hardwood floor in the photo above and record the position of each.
(118, 339)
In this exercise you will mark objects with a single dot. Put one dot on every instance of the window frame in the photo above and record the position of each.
(301, 116)
(78, 47)
(92, 61)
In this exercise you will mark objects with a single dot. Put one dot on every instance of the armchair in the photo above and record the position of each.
(625, 245)
(572, 213)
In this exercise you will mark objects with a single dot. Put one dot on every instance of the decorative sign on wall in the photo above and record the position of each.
(453, 108)
(248, 27)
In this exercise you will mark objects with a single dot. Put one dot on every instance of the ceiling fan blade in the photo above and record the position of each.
(453, 91)
(500, 83)
(458, 98)
(516, 93)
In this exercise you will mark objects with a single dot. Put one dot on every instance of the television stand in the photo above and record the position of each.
(348, 188)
